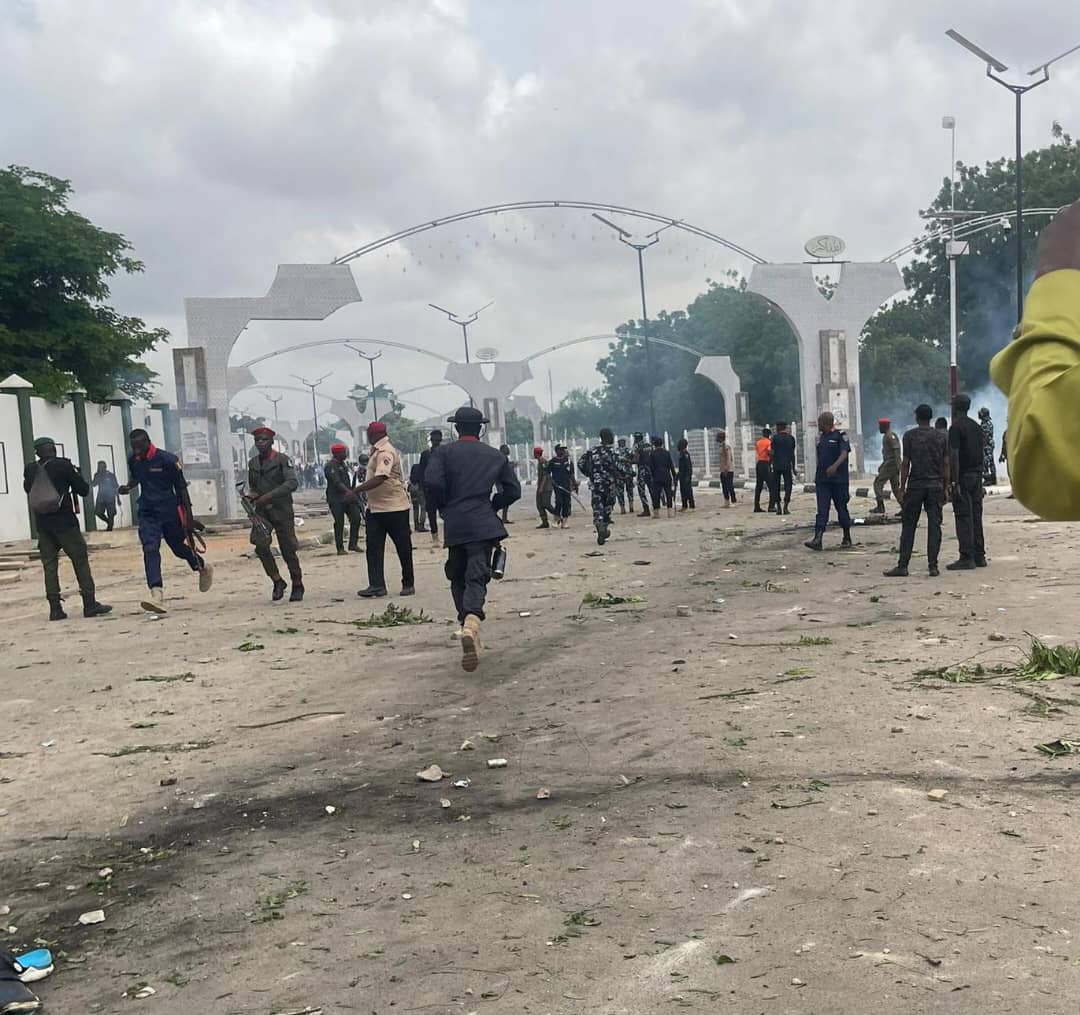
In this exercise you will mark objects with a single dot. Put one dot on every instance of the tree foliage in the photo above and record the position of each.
(56, 329)
(242, 421)
(519, 430)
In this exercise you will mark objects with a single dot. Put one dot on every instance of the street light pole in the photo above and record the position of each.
(371, 364)
(949, 124)
(994, 68)
(625, 236)
(314, 414)
(463, 321)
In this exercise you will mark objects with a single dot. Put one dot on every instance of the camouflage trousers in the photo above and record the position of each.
(603, 500)
(644, 483)
(624, 491)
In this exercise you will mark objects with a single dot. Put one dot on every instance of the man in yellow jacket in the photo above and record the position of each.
(1040, 372)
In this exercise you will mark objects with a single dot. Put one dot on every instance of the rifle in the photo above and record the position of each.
(193, 528)
(260, 527)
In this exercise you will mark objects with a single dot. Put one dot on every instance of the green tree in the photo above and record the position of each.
(56, 329)
(581, 413)
(384, 396)
(519, 430)
(242, 421)
(986, 275)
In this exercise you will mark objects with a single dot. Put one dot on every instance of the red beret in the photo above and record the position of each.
(885, 420)
(263, 431)
(376, 427)
(335, 448)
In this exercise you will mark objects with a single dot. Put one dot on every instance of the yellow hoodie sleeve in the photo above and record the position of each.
(1040, 374)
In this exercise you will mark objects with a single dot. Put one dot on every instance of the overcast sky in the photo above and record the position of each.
(225, 137)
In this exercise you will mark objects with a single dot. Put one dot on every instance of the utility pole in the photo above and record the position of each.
(463, 322)
(314, 414)
(371, 365)
(641, 245)
(994, 67)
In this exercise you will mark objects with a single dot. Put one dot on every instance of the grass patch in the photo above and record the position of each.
(188, 745)
(1046, 663)
(602, 602)
(393, 616)
(270, 907)
(809, 639)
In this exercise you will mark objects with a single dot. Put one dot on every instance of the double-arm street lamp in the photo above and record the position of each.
(314, 413)
(462, 321)
(641, 245)
(994, 68)
(371, 364)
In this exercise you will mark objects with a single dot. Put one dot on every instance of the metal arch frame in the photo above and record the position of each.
(612, 338)
(342, 341)
(969, 227)
(331, 398)
(495, 209)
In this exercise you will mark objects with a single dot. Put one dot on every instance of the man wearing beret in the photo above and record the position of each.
(388, 507)
(341, 499)
(271, 482)
(889, 469)
(53, 483)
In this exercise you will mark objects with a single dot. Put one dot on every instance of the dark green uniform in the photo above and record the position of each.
(338, 485)
(59, 530)
(276, 476)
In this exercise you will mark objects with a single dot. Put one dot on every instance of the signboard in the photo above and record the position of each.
(840, 407)
(195, 440)
(825, 246)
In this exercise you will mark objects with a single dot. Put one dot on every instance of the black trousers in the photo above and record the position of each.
(782, 477)
(968, 514)
(933, 499)
(433, 518)
(727, 483)
(394, 524)
(106, 511)
(562, 503)
(686, 491)
(468, 566)
(764, 482)
(663, 490)
(341, 511)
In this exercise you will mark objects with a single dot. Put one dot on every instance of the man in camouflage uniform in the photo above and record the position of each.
(601, 464)
(624, 489)
(271, 483)
(889, 470)
(642, 458)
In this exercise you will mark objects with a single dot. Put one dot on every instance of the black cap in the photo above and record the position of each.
(468, 414)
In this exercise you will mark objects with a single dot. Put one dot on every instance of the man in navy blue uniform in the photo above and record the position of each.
(831, 480)
(458, 482)
(164, 513)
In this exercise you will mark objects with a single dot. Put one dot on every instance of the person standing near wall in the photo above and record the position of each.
(686, 476)
(726, 466)
(763, 468)
(783, 466)
(164, 508)
(108, 493)
(831, 481)
(966, 471)
(53, 484)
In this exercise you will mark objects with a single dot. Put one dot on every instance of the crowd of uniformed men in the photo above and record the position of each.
(468, 483)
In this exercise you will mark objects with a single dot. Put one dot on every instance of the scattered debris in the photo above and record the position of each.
(683, 611)
(394, 616)
(467, 745)
(92, 917)
(543, 793)
(461, 783)
(996, 636)
(723, 960)
(497, 763)
(139, 992)
(291, 718)
(444, 803)
(187, 745)
(937, 795)
(250, 646)
(187, 678)
(431, 774)
(330, 809)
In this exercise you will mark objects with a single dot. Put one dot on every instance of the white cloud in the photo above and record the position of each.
(224, 137)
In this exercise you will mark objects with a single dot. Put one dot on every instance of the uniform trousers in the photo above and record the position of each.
(394, 524)
(663, 489)
(830, 493)
(72, 542)
(283, 526)
(153, 529)
(686, 491)
(342, 510)
(468, 566)
(968, 515)
(764, 482)
(933, 499)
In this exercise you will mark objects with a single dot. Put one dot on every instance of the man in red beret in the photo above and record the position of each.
(271, 482)
(387, 514)
(889, 469)
(341, 499)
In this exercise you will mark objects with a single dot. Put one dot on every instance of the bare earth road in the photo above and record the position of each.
(738, 819)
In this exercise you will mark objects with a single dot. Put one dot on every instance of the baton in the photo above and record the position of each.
(572, 494)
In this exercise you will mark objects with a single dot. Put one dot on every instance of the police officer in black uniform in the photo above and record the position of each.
(966, 443)
(831, 480)
(458, 482)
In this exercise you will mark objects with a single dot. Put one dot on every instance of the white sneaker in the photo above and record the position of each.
(155, 603)
(206, 577)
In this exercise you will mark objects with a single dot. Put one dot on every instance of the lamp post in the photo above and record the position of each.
(625, 236)
(994, 67)
(314, 414)
(953, 249)
(463, 322)
(371, 365)
(273, 400)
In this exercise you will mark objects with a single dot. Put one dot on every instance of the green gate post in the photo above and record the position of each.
(170, 423)
(22, 389)
(82, 440)
(125, 421)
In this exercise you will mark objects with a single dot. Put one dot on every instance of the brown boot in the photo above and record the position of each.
(470, 643)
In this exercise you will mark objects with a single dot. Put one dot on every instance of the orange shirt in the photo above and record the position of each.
(763, 448)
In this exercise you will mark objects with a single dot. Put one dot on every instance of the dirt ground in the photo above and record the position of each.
(738, 818)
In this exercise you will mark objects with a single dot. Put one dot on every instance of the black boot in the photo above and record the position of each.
(56, 611)
(341, 551)
(644, 512)
(92, 608)
(297, 594)
(815, 543)
(900, 571)
(880, 509)
(846, 542)
(279, 589)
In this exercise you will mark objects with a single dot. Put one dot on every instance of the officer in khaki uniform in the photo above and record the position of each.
(271, 482)
(388, 507)
(889, 469)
